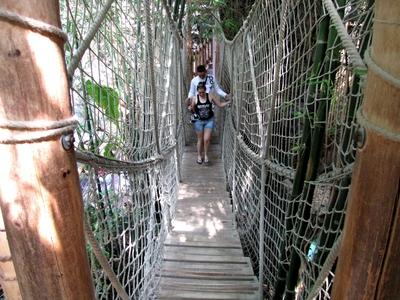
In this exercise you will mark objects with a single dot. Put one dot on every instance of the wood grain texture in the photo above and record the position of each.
(203, 257)
(41, 201)
(368, 260)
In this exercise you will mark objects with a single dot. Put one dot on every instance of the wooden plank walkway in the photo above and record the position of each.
(203, 256)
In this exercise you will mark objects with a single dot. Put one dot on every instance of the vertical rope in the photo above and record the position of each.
(76, 59)
(104, 262)
(256, 97)
(178, 79)
(150, 60)
(265, 148)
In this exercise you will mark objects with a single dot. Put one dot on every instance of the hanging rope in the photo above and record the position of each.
(347, 42)
(326, 268)
(104, 262)
(150, 61)
(85, 43)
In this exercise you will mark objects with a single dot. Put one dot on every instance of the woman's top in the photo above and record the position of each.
(204, 110)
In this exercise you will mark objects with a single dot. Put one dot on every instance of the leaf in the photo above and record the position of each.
(108, 150)
(105, 97)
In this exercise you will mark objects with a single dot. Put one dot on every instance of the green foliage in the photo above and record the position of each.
(105, 98)
(108, 150)
(203, 15)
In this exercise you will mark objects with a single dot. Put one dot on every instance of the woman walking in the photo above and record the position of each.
(201, 106)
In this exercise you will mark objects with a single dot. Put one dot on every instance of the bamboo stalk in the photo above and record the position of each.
(316, 148)
(319, 54)
(334, 221)
(367, 266)
(41, 203)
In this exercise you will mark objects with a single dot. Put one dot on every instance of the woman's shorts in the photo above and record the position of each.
(200, 125)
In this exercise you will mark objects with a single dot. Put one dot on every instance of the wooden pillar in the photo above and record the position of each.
(40, 195)
(369, 257)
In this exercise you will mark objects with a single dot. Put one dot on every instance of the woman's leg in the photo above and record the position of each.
(200, 135)
(207, 139)
(199, 128)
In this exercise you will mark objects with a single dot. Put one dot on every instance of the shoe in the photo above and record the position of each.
(199, 161)
(206, 161)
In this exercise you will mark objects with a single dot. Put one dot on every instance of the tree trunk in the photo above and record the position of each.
(369, 257)
(41, 201)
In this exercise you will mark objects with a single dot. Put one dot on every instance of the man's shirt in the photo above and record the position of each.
(211, 86)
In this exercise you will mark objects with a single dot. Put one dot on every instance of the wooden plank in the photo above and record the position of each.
(186, 265)
(206, 258)
(192, 295)
(202, 239)
(208, 272)
(216, 278)
(232, 287)
(203, 244)
(203, 258)
(249, 281)
(204, 251)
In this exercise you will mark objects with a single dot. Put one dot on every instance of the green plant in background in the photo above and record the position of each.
(105, 98)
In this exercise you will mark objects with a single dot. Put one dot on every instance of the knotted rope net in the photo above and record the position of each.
(296, 72)
(124, 68)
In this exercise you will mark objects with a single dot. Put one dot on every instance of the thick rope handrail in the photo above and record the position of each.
(244, 26)
(104, 262)
(101, 161)
(281, 170)
(76, 59)
(38, 131)
(256, 97)
(347, 42)
(326, 268)
(33, 24)
(150, 60)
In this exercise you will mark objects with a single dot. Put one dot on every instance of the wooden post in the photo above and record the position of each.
(40, 196)
(369, 257)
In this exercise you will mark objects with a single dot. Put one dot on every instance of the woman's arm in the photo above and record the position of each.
(192, 103)
(217, 102)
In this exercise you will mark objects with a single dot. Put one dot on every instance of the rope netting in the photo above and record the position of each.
(125, 72)
(296, 73)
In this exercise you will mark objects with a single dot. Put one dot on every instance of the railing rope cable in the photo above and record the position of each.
(104, 262)
(76, 59)
(326, 268)
(150, 61)
(347, 42)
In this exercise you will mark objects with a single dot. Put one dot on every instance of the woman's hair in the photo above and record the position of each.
(201, 85)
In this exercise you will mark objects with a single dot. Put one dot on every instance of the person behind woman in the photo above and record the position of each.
(202, 106)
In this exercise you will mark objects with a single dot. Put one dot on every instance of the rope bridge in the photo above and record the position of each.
(296, 74)
(125, 72)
